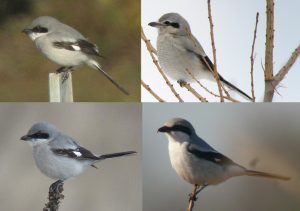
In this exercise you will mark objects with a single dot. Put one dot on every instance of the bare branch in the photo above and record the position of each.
(216, 75)
(271, 82)
(147, 87)
(252, 57)
(193, 91)
(269, 41)
(152, 51)
(207, 90)
(285, 69)
(192, 198)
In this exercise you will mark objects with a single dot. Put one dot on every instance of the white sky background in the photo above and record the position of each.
(234, 22)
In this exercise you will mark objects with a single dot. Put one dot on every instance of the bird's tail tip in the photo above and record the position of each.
(118, 154)
(267, 175)
(96, 65)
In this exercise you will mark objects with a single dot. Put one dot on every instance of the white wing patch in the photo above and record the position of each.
(76, 47)
(78, 154)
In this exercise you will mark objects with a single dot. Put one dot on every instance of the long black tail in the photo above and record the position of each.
(118, 154)
(97, 66)
(230, 85)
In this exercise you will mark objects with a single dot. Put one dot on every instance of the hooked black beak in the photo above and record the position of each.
(26, 31)
(25, 138)
(155, 24)
(164, 129)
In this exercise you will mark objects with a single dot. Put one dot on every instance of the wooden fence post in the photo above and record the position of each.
(60, 91)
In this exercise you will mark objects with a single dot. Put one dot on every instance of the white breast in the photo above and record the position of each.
(174, 60)
(192, 169)
(57, 167)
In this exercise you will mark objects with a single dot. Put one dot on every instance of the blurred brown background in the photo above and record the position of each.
(103, 128)
(111, 24)
(263, 137)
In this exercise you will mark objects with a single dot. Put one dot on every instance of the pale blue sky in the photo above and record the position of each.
(234, 24)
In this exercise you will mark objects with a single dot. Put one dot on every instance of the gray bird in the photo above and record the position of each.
(65, 46)
(197, 162)
(178, 51)
(59, 156)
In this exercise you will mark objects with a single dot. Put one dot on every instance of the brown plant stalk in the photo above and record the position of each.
(216, 74)
(147, 87)
(252, 58)
(152, 52)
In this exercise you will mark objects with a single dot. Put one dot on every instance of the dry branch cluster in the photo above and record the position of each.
(271, 81)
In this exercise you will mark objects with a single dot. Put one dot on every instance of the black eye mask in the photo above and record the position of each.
(39, 29)
(175, 25)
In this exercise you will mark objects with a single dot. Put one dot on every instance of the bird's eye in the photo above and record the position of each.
(40, 29)
(167, 22)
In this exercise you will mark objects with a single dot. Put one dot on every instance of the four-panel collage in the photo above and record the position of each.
(140, 105)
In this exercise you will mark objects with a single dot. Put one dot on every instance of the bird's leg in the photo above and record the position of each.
(201, 188)
(181, 83)
(197, 189)
(61, 70)
(192, 196)
(65, 72)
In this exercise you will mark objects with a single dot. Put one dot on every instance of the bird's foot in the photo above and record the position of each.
(65, 73)
(181, 83)
(64, 77)
(192, 197)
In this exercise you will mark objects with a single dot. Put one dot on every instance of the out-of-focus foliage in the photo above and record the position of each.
(113, 25)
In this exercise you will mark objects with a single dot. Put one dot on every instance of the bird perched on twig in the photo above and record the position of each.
(179, 52)
(197, 162)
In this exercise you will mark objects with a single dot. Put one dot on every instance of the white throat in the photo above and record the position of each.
(33, 36)
(177, 136)
(36, 142)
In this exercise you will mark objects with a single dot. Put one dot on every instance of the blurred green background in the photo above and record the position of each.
(113, 25)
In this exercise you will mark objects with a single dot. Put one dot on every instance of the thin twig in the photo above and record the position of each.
(285, 69)
(147, 87)
(192, 198)
(193, 91)
(207, 90)
(152, 51)
(216, 74)
(252, 58)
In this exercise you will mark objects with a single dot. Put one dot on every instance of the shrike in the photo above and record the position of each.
(197, 162)
(65, 46)
(178, 51)
(59, 156)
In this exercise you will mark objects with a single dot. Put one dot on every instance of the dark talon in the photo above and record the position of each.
(192, 197)
(65, 76)
(181, 82)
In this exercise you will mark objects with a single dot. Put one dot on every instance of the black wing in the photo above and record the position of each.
(214, 157)
(210, 66)
(80, 153)
(204, 60)
(82, 45)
